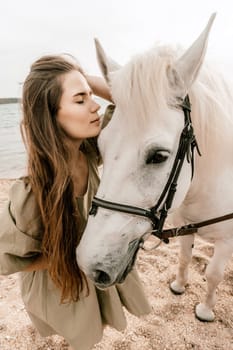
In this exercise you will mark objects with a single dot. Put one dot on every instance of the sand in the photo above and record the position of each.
(171, 324)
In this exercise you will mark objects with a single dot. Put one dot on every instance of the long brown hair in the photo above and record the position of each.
(48, 172)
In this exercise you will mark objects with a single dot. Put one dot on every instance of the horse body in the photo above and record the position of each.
(139, 147)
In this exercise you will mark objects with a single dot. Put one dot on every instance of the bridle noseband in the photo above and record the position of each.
(158, 213)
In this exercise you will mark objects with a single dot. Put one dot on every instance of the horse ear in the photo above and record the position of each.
(107, 65)
(189, 64)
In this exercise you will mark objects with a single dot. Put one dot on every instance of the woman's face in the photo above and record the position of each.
(78, 112)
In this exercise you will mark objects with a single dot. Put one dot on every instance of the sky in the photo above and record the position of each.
(32, 28)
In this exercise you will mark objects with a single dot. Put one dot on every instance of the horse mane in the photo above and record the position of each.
(212, 105)
(146, 90)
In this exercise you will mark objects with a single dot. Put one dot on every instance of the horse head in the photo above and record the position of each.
(138, 148)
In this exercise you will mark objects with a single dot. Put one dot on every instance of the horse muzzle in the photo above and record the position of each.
(105, 275)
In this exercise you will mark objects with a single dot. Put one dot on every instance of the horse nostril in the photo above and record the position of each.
(101, 277)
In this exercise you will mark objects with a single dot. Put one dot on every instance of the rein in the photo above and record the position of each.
(191, 228)
(158, 213)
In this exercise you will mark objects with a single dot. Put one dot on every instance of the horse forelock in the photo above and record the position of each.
(141, 87)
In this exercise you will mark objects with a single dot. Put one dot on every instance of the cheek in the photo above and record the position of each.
(77, 121)
(73, 123)
(150, 182)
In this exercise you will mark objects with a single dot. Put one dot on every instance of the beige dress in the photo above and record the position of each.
(80, 323)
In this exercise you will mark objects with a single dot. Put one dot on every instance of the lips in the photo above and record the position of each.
(95, 120)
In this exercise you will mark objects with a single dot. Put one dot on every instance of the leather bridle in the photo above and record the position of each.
(158, 213)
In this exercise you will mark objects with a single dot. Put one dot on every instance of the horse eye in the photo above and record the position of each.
(156, 157)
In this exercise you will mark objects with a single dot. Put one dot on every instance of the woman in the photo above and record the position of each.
(47, 210)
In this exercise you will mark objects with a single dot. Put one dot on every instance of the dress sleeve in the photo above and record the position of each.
(20, 231)
(107, 115)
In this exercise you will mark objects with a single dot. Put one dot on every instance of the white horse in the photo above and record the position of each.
(139, 147)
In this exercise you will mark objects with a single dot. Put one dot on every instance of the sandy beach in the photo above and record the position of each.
(171, 324)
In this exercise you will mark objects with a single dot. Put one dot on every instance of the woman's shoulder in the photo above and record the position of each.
(23, 206)
(21, 186)
(21, 192)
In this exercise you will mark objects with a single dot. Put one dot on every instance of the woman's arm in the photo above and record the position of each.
(39, 264)
(99, 87)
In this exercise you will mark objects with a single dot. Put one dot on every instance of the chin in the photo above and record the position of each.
(95, 132)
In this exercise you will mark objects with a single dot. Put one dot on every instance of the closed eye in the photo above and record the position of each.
(80, 97)
(156, 156)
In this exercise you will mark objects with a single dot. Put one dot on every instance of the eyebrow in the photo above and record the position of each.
(83, 93)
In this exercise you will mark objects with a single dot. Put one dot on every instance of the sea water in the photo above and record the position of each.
(12, 150)
(13, 158)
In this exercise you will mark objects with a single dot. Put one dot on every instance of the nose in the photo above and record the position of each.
(95, 107)
(101, 278)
